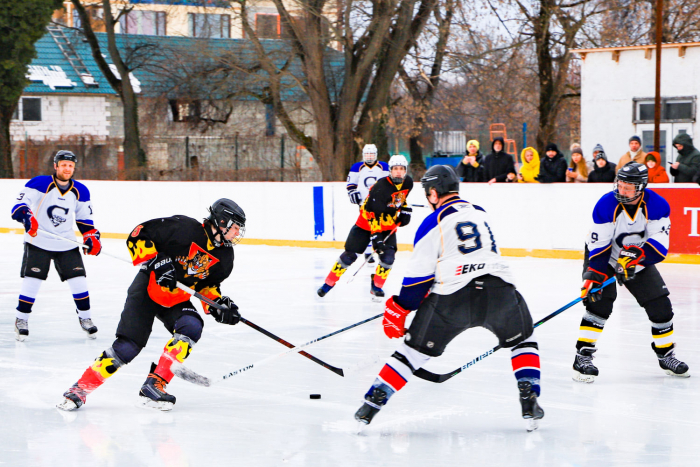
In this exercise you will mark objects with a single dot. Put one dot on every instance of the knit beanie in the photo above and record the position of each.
(474, 142)
(551, 147)
(636, 138)
(577, 151)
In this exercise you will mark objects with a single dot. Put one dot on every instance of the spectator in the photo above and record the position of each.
(531, 166)
(471, 168)
(688, 162)
(657, 173)
(578, 168)
(635, 154)
(553, 167)
(696, 178)
(604, 171)
(499, 166)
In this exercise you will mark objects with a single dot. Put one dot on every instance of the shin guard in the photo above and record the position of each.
(104, 366)
(176, 350)
(590, 330)
(525, 358)
(381, 274)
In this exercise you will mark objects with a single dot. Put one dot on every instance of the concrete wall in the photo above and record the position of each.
(608, 87)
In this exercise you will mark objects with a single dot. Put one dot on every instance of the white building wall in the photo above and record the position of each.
(609, 87)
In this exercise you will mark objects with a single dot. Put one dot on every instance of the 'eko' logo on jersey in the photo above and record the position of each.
(56, 219)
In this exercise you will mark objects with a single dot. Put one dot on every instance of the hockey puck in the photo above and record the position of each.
(314, 396)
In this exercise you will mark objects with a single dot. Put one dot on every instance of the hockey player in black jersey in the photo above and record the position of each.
(383, 211)
(168, 250)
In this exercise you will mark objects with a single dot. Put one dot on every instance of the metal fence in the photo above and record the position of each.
(215, 158)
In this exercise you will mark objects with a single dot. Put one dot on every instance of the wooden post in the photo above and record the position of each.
(657, 96)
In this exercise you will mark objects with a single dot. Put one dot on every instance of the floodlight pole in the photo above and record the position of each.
(657, 96)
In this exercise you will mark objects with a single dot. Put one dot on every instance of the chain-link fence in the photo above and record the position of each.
(216, 158)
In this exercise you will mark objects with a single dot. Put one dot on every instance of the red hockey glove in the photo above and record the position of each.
(592, 279)
(394, 319)
(630, 257)
(91, 238)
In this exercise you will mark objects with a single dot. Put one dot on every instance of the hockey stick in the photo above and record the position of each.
(437, 378)
(367, 258)
(336, 370)
(418, 206)
(188, 375)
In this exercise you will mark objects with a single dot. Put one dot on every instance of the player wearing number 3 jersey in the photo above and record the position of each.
(457, 280)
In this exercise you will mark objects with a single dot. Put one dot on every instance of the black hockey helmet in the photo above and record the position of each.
(635, 174)
(64, 155)
(442, 178)
(223, 214)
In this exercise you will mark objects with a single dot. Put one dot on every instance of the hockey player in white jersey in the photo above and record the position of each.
(362, 176)
(457, 280)
(630, 234)
(52, 204)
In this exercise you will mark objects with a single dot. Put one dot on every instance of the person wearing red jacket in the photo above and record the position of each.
(657, 173)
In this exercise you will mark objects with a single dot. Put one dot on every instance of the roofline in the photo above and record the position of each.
(670, 45)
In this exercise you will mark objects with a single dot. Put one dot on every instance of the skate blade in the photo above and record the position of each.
(148, 403)
(583, 378)
(67, 405)
(377, 299)
(91, 336)
(682, 375)
(531, 424)
(20, 337)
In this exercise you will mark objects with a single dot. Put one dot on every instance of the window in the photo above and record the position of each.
(267, 26)
(28, 110)
(185, 111)
(673, 109)
(96, 15)
(209, 26)
(150, 23)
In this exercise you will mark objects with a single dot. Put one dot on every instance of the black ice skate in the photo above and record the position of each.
(373, 404)
(584, 369)
(87, 326)
(669, 363)
(323, 290)
(21, 329)
(377, 293)
(532, 412)
(152, 393)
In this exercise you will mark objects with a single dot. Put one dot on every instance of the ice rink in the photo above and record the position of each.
(633, 415)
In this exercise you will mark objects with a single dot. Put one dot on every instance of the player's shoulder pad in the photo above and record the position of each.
(82, 191)
(604, 210)
(40, 183)
(657, 206)
(356, 166)
(478, 208)
(384, 166)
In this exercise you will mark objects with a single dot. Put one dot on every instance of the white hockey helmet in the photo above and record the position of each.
(400, 161)
(369, 154)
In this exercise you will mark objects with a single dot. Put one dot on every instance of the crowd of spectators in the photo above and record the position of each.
(499, 166)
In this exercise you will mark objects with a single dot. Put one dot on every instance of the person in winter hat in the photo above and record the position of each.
(553, 167)
(531, 166)
(604, 171)
(635, 154)
(499, 166)
(578, 168)
(657, 173)
(688, 162)
(471, 168)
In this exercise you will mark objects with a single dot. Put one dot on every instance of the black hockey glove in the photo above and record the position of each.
(355, 197)
(630, 257)
(592, 279)
(229, 315)
(405, 216)
(378, 242)
(164, 269)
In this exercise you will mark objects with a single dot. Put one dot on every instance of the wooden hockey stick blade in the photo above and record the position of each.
(438, 378)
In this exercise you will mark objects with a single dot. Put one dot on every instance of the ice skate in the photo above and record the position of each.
(21, 329)
(669, 363)
(584, 369)
(377, 293)
(153, 395)
(370, 258)
(89, 328)
(323, 290)
(532, 412)
(73, 399)
(372, 405)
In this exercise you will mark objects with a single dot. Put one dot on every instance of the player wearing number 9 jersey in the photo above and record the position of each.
(457, 280)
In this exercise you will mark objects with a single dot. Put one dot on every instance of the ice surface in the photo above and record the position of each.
(632, 415)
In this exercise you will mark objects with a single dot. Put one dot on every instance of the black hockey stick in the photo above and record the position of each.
(188, 375)
(336, 370)
(436, 378)
(367, 258)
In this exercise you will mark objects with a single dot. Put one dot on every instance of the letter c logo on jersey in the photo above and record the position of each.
(56, 219)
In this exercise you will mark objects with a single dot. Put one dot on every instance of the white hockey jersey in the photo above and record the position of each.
(453, 245)
(56, 211)
(613, 228)
(361, 176)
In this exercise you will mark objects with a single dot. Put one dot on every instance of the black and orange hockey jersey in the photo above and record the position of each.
(380, 209)
(198, 263)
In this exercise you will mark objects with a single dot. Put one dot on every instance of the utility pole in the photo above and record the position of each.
(657, 96)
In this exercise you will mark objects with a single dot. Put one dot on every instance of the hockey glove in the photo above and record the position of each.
(91, 238)
(378, 242)
(229, 315)
(394, 319)
(405, 216)
(630, 257)
(164, 270)
(355, 197)
(592, 279)
(25, 216)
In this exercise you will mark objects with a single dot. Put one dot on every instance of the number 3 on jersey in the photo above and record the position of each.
(469, 233)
